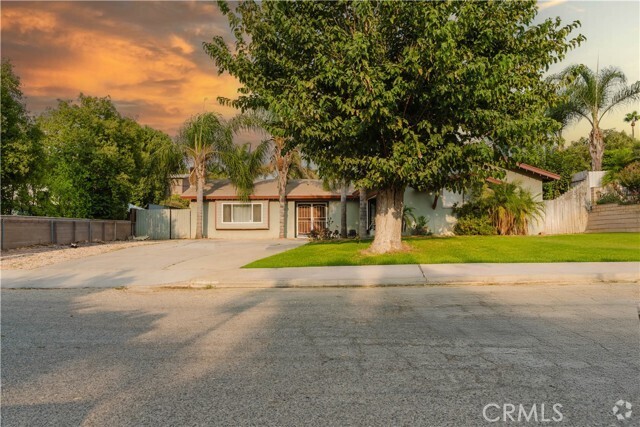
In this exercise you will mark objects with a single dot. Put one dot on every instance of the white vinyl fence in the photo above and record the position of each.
(163, 224)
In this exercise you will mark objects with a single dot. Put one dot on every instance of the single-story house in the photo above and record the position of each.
(310, 206)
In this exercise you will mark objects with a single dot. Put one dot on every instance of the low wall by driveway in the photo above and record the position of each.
(19, 231)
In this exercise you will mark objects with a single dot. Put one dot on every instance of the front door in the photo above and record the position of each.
(311, 216)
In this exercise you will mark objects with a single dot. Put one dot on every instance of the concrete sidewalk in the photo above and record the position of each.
(218, 263)
(425, 274)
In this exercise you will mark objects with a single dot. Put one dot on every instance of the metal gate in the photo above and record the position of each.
(311, 216)
(163, 224)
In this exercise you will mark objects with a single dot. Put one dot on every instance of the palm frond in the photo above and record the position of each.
(624, 95)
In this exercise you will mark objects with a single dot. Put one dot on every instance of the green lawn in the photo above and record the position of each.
(467, 249)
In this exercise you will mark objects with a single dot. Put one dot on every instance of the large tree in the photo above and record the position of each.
(591, 95)
(152, 185)
(397, 94)
(22, 160)
(99, 161)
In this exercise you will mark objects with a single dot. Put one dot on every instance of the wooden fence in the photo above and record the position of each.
(568, 213)
(163, 224)
(19, 231)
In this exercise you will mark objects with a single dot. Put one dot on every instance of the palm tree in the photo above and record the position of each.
(591, 96)
(243, 165)
(408, 217)
(285, 161)
(632, 118)
(511, 207)
(202, 140)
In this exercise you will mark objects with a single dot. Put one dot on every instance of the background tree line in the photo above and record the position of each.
(80, 159)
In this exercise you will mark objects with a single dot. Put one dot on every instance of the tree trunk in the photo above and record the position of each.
(633, 127)
(283, 205)
(389, 204)
(199, 204)
(362, 223)
(343, 210)
(596, 147)
(282, 198)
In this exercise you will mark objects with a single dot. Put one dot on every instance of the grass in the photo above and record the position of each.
(603, 247)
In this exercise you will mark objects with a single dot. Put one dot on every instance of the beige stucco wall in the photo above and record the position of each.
(352, 215)
(290, 228)
(528, 183)
(212, 232)
(212, 210)
(440, 219)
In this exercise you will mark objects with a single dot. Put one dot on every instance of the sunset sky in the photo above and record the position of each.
(148, 55)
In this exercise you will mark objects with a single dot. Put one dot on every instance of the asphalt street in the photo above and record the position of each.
(426, 356)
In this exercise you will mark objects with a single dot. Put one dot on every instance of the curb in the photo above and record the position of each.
(381, 282)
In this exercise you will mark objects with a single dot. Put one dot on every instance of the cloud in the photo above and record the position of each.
(549, 4)
(146, 56)
(180, 43)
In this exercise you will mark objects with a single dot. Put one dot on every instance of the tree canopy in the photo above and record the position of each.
(99, 161)
(390, 94)
(22, 153)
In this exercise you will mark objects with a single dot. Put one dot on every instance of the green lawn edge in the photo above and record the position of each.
(597, 247)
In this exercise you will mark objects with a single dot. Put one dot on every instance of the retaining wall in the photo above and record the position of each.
(614, 218)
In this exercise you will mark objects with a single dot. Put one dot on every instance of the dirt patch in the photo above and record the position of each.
(39, 256)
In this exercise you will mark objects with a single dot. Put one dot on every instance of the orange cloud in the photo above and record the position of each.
(23, 22)
(180, 43)
(159, 77)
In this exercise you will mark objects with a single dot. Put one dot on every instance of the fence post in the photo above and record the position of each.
(170, 223)
(115, 230)
(3, 243)
(53, 242)
(74, 232)
(104, 231)
(90, 236)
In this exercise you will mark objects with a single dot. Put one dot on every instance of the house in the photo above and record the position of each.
(310, 206)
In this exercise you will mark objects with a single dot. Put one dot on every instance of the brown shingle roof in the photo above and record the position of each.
(544, 174)
(297, 189)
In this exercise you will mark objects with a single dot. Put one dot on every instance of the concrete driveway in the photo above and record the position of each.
(166, 262)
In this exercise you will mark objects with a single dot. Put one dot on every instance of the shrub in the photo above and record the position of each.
(629, 178)
(511, 208)
(609, 198)
(175, 201)
(420, 227)
(507, 206)
(408, 217)
(470, 226)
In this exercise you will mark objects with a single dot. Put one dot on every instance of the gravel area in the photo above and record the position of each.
(39, 256)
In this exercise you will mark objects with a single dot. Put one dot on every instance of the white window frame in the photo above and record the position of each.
(252, 204)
